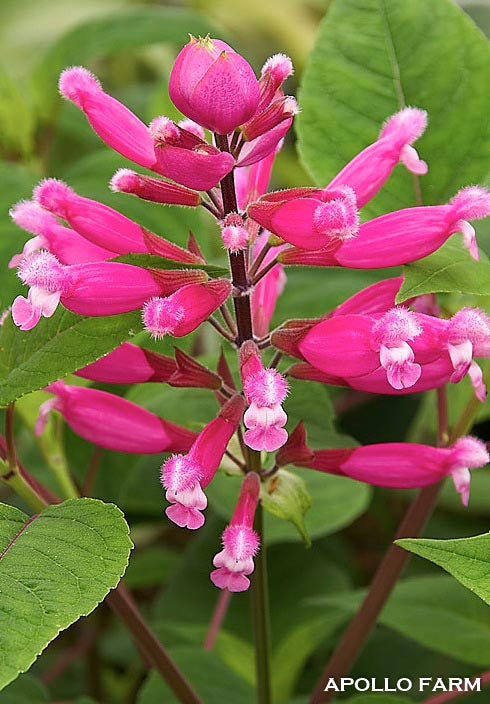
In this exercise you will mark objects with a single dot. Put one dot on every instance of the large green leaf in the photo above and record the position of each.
(55, 347)
(371, 58)
(54, 568)
(450, 269)
(24, 690)
(467, 559)
(213, 681)
(109, 35)
(435, 612)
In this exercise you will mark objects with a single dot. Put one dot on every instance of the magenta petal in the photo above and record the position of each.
(185, 517)
(194, 169)
(24, 314)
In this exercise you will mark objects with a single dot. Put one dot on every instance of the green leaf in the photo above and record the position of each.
(24, 690)
(285, 495)
(112, 34)
(54, 568)
(467, 559)
(213, 681)
(16, 116)
(55, 347)
(434, 611)
(371, 58)
(450, 269)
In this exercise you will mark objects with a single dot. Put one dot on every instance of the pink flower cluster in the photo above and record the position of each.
(367, 343)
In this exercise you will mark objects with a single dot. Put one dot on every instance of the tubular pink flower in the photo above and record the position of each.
(105, 226)
(240, 542)
(369, 170)
(403, 236)
(392, 333)
(377, 298)
(67, 245)
(282, 108)
(252, 181)
(469, 336)
(186, 158)
(185, 476)
(275, 71)
(153, 189)
(95, 289)
(268, 143)
(355, 345)
(115, 124)
(213, 85)
(233, 233)
(113, 422)
(404, 465)
(129, 364)
(267, 290)
(309, 217)
(265, 390)
(183, 311)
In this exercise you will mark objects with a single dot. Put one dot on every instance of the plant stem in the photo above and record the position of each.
(260, 615)
(217, 619)
(444, 697)
(265, 270)
(240, 278)
(386, 576)
(259, 259)
(242, 290)
(121, 601)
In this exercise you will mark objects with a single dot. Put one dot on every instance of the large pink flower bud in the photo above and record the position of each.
(213, 85)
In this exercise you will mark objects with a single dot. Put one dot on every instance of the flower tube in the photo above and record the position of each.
(95, 289)
(112, 422)
(402, 236)
(105, 226)
(397, 465)
(240, 542)
(185, 476)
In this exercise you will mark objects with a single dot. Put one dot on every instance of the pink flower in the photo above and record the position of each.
(252, 181)
(111, 120)
(282, 108)
(403, 236)
(233, 233)
(275, 71)
(469, 336)
(96, 288)
(397, 465)
(67, 245)
(213, 85)
(113, 422)
(153, 189)
(267, 290)
(187, 158)
(354, 345)
(185, 476)
(240, 541)
(105, 226)
(183, 311)
(260, 147)
(265, 390)
(309, 217)
(369, 170)
(129, 364)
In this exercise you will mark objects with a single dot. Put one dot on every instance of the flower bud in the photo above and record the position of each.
(213, 85)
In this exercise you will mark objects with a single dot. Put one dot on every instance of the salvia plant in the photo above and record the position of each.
(91, 260)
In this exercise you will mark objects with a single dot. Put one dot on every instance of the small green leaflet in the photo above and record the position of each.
(467, 559)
